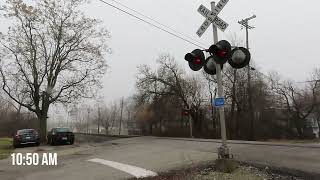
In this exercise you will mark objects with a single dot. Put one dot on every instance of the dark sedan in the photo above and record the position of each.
(26, 137)
(60, 135)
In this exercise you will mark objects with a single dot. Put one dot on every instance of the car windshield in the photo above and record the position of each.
(26, 131)
(63, 130)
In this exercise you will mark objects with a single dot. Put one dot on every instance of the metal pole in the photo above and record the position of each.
(245, 23)
(99, 117)
(223, 150)
(88, 120)
(249, 88)
(121, 116)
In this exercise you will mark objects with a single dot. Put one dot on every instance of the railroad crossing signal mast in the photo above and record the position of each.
(220, 53)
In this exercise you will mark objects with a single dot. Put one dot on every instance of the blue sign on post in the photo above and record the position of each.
(218, 102)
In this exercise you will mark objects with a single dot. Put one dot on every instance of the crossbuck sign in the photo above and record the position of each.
(212, 17)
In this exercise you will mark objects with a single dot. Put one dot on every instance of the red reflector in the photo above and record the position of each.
(197, 61)
(221, 53)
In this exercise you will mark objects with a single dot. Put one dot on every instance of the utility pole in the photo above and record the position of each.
(212, 110)
(121, 116)
(223, 150)
(245, 24)
(99, 118)
(88, 120)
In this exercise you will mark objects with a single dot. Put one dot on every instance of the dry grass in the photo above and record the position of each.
(5, 147)
(209, 172)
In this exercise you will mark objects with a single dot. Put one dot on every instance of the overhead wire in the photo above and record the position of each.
(158, 22)
(151, 24)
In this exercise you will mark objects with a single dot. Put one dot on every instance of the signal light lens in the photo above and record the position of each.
(240, 57)
(197, 61)
(221, 53)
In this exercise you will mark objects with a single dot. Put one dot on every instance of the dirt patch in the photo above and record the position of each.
(209, 172)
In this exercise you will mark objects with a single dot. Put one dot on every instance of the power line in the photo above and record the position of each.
(151, 24)
(152, 19)
(316, 80)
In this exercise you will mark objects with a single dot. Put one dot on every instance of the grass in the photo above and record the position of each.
(5, 147)
(242, 173)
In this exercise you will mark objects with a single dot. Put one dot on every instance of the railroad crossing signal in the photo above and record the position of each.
(212, 17)
(239, 58)
(211, 66)
(196, 59)
(221, 52)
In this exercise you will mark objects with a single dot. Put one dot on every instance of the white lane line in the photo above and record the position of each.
(133, 170)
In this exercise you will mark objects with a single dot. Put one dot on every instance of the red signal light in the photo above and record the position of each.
(221, 53)
(197, 61)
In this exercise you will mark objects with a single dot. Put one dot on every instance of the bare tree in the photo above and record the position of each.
(299, 102)
(51, 53)
(170, 80)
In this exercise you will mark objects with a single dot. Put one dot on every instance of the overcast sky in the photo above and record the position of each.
(285, 38)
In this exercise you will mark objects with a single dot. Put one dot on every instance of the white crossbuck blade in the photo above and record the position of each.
(212, 17)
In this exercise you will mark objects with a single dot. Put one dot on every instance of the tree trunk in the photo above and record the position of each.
(106, 128)
(318, 121)
(298, 127)
(43, 128)
(160, 120)
(150, 128)
(237, 123)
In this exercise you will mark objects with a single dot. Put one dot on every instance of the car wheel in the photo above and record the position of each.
(15, 145)
(71, 142)
(37, 144)
(52, 143)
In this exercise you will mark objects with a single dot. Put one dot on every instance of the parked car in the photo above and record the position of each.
(60, 135)
(26, 137)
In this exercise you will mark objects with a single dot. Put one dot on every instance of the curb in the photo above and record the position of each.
(104, 135)
(254, 143)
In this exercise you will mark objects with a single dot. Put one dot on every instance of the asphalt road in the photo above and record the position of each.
(122, 158)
